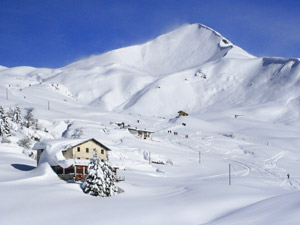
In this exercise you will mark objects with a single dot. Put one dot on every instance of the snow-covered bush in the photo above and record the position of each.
(100, 180)
(29, 153)
(4, 125)
(25, 142)
(159, 161)
(5, 140)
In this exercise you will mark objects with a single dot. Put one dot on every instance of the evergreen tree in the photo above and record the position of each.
(109, 180)
(94, 180)
(17, 116)
(100, 180)
(30, 121)
(10, 112)
(4, 125)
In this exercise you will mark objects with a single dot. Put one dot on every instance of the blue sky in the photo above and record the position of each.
(54, 33)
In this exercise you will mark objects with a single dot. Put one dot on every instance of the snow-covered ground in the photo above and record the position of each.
(243, 112)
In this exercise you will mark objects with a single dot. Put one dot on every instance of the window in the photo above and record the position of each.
(78, 157)
(87, 150)
(59, 170)
(78, 149)
(79, 170)
(69, 170)
(102, 151)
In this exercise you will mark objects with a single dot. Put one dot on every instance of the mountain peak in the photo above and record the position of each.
(186, 47)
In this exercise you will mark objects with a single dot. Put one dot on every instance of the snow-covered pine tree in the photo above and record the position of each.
(109, 180)
(10, 112)
(4, 125)
(94, 180)
(30, 121)
(17, 116)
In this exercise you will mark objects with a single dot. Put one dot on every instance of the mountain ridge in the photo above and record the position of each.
(192, 68)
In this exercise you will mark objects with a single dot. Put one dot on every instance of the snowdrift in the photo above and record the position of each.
(281, 209)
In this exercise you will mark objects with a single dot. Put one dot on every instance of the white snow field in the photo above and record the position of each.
(243, 111)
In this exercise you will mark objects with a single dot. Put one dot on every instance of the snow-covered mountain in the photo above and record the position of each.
(193, 68)
(243, 111)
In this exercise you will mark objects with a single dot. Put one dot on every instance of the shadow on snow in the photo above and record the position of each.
(23, 167)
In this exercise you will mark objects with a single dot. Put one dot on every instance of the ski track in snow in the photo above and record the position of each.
(268, 166)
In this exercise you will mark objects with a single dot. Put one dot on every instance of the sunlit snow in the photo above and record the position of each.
(243, 112)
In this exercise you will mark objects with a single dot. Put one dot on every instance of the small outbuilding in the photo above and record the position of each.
(123, 125)
(143, 134)
(182, 113)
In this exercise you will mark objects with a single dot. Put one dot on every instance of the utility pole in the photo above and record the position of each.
(6, 93)
(199, 157)
(229, 174)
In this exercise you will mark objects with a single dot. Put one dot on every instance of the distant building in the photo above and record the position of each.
(182, 113)
(123, 125)
(69, 158)
(143, 134)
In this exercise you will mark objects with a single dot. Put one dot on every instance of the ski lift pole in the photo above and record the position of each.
(199, 157)
(229, 174)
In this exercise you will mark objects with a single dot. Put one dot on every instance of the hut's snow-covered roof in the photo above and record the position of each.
(53, 149)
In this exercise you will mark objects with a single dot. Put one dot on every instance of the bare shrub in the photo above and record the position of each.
(5, 140)
(25, 142)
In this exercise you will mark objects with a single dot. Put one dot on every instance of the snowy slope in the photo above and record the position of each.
(283, 209)
(131, 75)
(169, 71)
(194, 69)
(183, 48)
